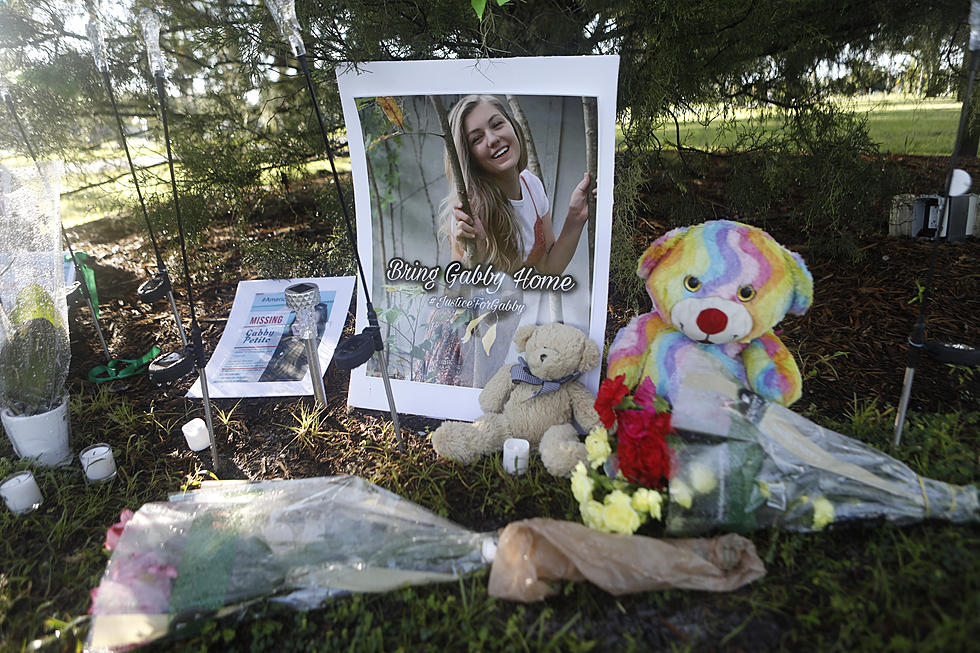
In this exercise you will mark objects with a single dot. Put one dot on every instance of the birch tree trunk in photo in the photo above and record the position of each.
(555, 310)
(419, 146)
(590, 115)
(372, 176)
(464, 198)
(533, 163)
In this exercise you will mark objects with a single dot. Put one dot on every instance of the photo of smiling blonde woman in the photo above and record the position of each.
(511, 224)
(509, 228)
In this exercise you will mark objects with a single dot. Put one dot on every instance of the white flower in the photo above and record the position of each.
(680, 493)
(582, 485)
(823, 513)
(702, 478)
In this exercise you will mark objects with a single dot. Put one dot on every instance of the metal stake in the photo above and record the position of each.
(372, 315)
(197, 342)
(917, 340)
(161, 266)
(284, 13)
(303, 298)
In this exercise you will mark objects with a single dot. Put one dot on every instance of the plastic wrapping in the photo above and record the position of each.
(744, 463)
(150, 27)
(34, 348)
(284, 13)
(97, 42)
(218, 548)
(534, 552)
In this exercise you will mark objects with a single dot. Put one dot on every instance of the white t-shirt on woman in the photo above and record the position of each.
(529, 208)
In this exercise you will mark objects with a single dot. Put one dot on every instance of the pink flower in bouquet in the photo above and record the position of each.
(116, 530)
(611, 393)
(644, 457)
(137, 583)
(646, 394)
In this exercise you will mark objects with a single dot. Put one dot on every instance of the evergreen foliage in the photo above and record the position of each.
(240, 115)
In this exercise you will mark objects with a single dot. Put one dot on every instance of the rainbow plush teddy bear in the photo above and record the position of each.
(719, 287)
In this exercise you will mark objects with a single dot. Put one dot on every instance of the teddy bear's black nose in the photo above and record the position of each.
(543, 357)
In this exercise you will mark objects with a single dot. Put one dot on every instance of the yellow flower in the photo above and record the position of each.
(764, 489)
(823, 513)
(649, 501)
(702, 478)
(597, 446)
(680, 493)
(582, 485)
(618, 515)
(591, 512)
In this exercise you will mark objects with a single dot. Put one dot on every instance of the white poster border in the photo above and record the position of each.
(586, 76)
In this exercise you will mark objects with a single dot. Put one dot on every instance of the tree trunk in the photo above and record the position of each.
(590, 115)
(464, 198)
(533, 163)
(971, 134)
(555, 310)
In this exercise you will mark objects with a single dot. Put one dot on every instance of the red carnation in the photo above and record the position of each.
(611, 392)
(644, 457)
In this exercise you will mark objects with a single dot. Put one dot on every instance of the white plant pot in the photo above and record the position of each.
(42, 437)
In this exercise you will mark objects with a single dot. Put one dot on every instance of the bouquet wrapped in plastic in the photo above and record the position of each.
(216, 549)
(736, 462)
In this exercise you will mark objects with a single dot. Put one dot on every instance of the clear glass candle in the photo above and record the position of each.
(98, 463)
(21, 493)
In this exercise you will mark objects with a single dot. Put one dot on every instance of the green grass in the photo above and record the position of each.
(899, 124)
(98, 183)
(875, 588)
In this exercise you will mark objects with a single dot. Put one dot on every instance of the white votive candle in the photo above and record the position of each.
(196, 434)
(98, 463)
(20, 492)
(516, 454)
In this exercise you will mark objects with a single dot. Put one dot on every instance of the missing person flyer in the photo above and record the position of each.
(258, 354)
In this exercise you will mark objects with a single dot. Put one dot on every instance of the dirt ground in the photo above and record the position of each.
(852, 345)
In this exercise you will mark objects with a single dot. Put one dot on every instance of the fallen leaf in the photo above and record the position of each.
(392, 110)
(488, 338)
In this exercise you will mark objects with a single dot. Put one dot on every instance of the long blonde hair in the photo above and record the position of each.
(505, 245)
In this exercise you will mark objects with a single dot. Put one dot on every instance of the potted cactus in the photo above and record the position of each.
(33, 367)
(34, 348)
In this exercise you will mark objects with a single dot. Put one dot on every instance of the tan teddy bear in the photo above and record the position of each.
(537, 399)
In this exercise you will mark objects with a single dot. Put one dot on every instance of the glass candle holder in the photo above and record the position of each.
(95, 38)
(150, 26)
(98, 463)
(21, 493)
(284, 13)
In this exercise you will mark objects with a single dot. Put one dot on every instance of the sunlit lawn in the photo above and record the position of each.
(899, 124)
(98, 183)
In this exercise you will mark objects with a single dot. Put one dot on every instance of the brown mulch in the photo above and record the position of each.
(851, 346)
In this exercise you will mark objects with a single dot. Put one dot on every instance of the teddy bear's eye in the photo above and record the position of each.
(692, 283)
(746, 293)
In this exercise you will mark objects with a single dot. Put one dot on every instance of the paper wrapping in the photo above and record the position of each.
(533, 553)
